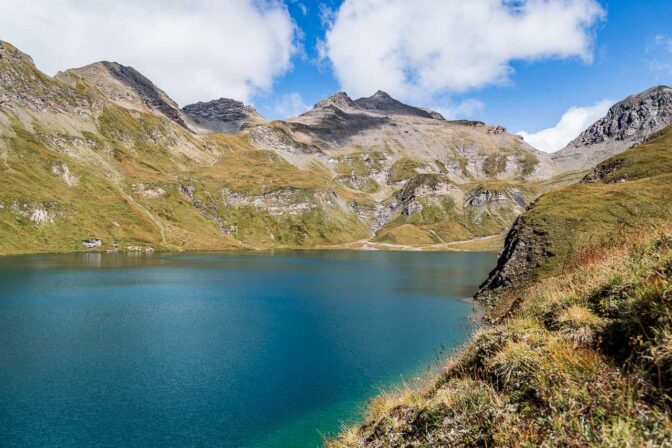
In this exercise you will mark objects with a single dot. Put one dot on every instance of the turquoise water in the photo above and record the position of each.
(212, 350)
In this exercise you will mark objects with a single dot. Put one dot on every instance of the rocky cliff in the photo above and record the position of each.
(627, 123)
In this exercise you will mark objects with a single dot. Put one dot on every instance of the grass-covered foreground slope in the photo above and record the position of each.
(579, 347)
(582, 359)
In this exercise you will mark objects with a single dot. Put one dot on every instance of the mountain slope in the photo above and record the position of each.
(124, 86)
(378, 146)
(627, 123)
(462, 150)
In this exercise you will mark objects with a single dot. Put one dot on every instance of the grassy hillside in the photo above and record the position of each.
(134, 185)
(45, 209)
(579, 352)
(451, 212)
(624, 195)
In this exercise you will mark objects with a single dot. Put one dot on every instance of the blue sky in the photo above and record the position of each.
(546, 67)
(626, 59)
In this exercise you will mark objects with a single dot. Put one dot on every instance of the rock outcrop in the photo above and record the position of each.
(622, 196)
(222, 115)
(627, 123)
(524, 248)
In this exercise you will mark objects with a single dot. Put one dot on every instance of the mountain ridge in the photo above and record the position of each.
(104, 134)
(627, 123)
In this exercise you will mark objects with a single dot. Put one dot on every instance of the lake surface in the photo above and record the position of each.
(218, 350)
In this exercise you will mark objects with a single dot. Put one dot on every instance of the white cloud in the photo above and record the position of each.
(571, 124)
(290, 105)
(192, 50)
(660, 54)
(417, 49)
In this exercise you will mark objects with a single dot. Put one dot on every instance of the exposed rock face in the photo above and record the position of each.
(63, 171)
(524, 247)
(482, 201)
(340, 100)
(627, 123)
(601, 171)
(38, 213)
(9, 51)
(148, 191)
(151, 95)
(222, 115)
(288, 201)
(424, 189)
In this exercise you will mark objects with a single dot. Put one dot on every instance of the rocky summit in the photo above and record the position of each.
(627, 123)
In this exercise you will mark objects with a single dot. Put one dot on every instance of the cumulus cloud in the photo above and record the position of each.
(290, 105)
(571, 124)
(415, 50)
(192, 50)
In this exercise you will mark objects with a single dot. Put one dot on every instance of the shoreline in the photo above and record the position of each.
(490, 243)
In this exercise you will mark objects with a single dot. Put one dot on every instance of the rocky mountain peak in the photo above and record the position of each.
(634, 118)
(220, 106)
(222, 115)
(381, 95)
(380, 103)
(126, 86)
(23, 85)
(340, 100)
(383, 103)
(627, 123)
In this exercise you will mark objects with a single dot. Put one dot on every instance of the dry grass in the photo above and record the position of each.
(583, 358)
